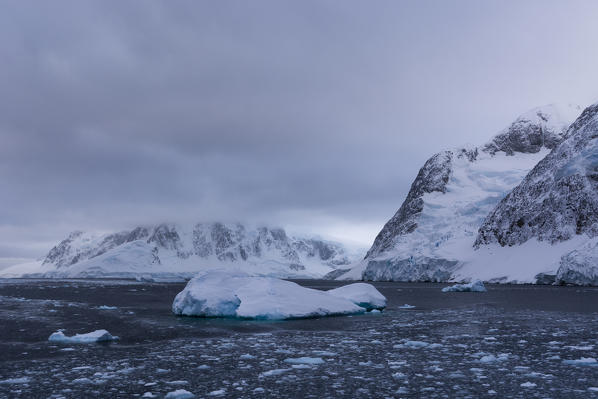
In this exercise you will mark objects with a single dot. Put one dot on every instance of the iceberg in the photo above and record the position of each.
(361, 294)
(476, 286)
(94, 336)
(226, 294)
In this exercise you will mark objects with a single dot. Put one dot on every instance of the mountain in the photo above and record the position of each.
(174, 251)
(557, 205)
(431, 236)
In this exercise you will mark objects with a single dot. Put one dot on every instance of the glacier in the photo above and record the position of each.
(431, 237)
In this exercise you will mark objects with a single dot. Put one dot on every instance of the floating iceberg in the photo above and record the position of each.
(225, 294)
(304, 360)
(95, 336)
(361, 294)
(476, 286)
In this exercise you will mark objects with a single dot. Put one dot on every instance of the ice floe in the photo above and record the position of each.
(304, 360)
(94, 336)
(179, 394)
(225, 294)
(584, 361)
(475, 286)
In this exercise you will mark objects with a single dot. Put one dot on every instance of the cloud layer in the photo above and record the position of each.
(312, 115)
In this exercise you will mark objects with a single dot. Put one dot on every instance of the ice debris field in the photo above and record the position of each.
(512, 341)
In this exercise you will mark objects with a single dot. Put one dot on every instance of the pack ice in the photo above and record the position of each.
(224, 294)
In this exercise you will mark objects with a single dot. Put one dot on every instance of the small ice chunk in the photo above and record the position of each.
(19, 380)
(94, 336)
(219, 392)
(415, 344)
(274, 372)
(179, 394)
(304, 360)
(246, 356)
(475, 286)
(528, 384)
(105, 307)
(148, 395)
(491, 358)
(584, 361)
(406, 306)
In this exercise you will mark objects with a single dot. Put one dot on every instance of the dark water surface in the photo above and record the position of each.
(510, 342)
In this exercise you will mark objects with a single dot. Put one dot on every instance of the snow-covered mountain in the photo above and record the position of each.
(557, 205)
(431, 236)
(169, 250)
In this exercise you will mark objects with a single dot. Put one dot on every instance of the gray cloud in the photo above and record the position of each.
(308, 114)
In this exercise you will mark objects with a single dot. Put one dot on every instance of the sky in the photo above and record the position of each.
(310, 115)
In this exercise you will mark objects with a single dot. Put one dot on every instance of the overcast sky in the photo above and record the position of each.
(315, 116)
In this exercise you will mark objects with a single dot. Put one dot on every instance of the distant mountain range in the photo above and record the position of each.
(522, 208)
(170, 251)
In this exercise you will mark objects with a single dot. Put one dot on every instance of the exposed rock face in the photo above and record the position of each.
(208, 244)
(452, 195)
(538, 128)
(559, 197)
(433, 176)
(79, 246)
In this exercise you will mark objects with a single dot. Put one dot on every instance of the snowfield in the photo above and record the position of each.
(224, 294)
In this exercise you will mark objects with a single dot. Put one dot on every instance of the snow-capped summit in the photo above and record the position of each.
(170, 250)
(542, 127)
(433, 232)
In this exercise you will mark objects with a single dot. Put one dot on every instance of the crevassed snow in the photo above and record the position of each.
(94, 336)
(362, 294)
(224, 294)
(475, 286)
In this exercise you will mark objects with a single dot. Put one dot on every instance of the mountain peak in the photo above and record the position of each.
(541, 127)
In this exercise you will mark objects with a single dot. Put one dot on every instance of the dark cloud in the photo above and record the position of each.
(308, 114)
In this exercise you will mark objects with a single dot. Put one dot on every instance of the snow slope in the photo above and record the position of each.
(175, 251)
(431, 236)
